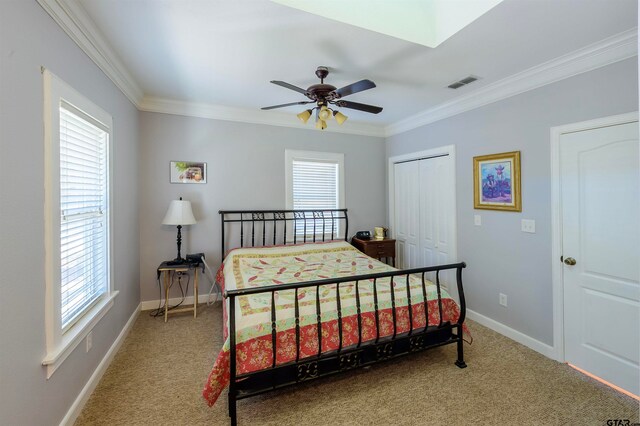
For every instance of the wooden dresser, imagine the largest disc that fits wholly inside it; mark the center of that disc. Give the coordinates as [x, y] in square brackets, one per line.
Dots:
[378, 249]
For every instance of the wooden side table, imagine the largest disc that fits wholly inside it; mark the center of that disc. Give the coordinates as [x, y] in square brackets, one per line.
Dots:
[167, 272]
[378, 249]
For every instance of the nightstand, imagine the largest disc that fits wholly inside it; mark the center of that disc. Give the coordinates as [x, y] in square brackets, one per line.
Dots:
[167, 272]
[378, 249]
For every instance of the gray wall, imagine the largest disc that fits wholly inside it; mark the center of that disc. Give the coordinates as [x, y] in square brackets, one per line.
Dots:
[501, 258]
[29, 38]
[246, 170]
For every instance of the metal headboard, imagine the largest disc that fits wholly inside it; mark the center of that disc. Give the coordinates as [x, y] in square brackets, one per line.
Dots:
[322, 223]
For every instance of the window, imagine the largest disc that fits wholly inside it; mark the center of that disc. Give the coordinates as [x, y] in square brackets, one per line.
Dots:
[315, 181]
[77, 225]
[83, 208]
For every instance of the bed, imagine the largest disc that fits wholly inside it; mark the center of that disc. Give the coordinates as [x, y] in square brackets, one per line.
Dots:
[323, 305]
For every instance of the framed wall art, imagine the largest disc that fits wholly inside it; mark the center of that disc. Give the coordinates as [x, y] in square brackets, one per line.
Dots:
[496, 182]
[188, 172]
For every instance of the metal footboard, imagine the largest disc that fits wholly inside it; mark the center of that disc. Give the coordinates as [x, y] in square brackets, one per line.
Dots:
[344, 358]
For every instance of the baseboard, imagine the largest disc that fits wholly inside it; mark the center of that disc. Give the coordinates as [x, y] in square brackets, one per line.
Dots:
[148, 305]
[84, 395]
[509, 332]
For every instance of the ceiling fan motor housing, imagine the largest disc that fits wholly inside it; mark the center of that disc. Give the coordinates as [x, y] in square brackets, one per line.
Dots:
[320, 92]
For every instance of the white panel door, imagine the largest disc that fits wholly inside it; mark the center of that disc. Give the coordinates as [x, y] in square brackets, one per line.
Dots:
[428, 212]
[444, 193]
[437, 216]
[601, 233]
[406, 204]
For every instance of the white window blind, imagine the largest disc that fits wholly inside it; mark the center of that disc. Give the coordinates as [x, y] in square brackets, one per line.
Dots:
[83, 213]
[315, 187]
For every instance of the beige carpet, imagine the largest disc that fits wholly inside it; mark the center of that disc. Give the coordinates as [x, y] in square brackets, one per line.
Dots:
[158, 375]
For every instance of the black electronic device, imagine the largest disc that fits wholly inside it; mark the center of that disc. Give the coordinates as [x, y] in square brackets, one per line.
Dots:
[363, 235]
[195, 258]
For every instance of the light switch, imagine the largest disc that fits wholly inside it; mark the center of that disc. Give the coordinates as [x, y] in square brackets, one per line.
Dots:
[529, 225]
[477, 220]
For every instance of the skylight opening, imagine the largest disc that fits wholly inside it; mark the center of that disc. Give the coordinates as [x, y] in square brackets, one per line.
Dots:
[426, 22]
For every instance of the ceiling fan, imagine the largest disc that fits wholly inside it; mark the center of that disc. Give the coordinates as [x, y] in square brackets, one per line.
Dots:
[324, 95]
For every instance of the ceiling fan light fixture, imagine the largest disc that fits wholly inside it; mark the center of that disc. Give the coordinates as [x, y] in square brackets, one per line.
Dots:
[340, 117]
[321, 124]
[305, 115]
[325, 113]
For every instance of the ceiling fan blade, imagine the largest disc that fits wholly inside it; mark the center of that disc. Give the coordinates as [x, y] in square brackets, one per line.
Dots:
[355, 88]
[360, 107]
[286, 105]
[289, 86]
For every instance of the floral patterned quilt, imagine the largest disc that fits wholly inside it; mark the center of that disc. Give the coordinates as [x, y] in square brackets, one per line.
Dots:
[268, 266]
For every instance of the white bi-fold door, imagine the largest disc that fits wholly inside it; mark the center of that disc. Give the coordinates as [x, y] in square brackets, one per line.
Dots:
[600, 203]
[407, 214]
[436, 210]
[424, 214]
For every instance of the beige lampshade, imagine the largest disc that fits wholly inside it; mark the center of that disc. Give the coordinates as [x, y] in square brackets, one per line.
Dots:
[325, 113]
[179, 213]
[340, 117]
[304, 115]
[321, 124]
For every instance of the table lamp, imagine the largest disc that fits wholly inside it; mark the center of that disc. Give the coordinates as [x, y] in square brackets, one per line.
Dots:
[179, 213]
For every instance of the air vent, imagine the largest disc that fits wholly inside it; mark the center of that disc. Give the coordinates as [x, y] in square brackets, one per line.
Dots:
[464, 81]
[468, 80]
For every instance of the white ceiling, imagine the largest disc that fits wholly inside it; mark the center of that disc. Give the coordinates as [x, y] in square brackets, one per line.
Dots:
[224, 53]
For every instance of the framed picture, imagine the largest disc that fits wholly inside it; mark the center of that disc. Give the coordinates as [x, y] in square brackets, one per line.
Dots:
[496, 182]
[188, 172]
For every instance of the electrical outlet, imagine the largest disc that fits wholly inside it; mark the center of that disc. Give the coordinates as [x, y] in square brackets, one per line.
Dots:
[477, 220]
[89, 341]
[528, 225]
[503, 299]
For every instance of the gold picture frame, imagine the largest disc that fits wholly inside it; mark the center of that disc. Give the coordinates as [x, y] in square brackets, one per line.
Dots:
[496, 182]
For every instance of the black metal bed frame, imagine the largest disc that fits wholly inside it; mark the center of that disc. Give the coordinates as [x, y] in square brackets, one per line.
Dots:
[345, 357]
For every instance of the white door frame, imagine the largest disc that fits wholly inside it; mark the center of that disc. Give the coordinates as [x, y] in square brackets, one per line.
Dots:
[449, 150]
[556, 219]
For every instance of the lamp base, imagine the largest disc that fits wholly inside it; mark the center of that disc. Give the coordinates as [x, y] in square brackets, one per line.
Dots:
[178, 260]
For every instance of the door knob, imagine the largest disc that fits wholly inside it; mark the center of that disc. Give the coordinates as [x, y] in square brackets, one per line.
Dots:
[570, 261]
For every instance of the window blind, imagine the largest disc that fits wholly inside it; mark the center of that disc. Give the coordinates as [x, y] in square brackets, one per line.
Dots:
[315, 187]
[83, 213]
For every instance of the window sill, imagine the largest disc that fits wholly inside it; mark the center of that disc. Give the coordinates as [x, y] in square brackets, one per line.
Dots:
[72, 338]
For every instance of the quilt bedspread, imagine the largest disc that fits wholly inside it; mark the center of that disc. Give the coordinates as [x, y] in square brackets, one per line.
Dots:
[268, 266]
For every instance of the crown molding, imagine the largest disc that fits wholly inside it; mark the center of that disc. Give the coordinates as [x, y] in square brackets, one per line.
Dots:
[73, 19]
[605, 52]
[245, 115]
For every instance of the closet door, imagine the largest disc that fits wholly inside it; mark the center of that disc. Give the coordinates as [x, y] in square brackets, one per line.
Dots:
[428, 211]
[407, 214]
[437, 217]
[436, 210]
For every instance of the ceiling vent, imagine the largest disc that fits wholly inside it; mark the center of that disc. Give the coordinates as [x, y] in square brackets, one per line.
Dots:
[464, 81]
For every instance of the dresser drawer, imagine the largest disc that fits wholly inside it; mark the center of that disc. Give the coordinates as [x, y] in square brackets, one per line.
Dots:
[376, 248]
[380, 249]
